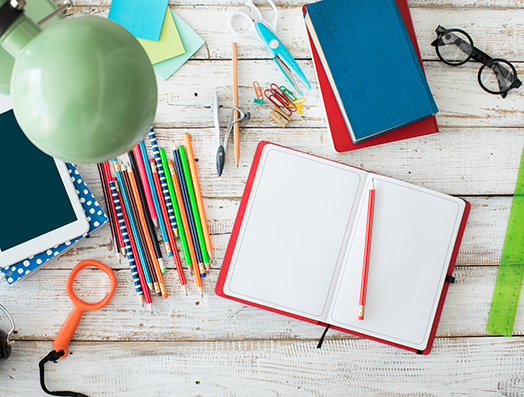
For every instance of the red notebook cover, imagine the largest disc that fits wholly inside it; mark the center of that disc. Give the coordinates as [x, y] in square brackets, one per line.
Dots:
[340, 135]
[219, 288]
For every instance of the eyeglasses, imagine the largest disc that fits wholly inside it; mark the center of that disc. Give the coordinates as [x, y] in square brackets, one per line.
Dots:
[455, 47]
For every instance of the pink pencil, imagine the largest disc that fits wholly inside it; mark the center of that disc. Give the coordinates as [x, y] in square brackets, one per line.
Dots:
[145, 183]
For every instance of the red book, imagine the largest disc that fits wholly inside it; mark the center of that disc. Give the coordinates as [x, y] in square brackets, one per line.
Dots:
[340, 135]
[297, 245]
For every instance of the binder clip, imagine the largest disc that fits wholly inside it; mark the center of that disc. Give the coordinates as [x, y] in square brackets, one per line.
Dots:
[258, 92]
[5, 341]
[280, 116]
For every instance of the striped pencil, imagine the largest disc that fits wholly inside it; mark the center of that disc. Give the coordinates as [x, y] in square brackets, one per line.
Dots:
[198, 194]
[163, 183]
[134, 251]
[189, 213]
[140, 230]
[145, 183]
[107, 176]
[149, 241]
[137, 278]
[187, 245]
[131, 219]
[154, 195]
[150, 225]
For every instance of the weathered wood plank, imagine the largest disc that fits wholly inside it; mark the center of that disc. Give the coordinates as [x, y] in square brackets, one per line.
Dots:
[457, 161]
[497, 31]
[192, 317]
[464, 366]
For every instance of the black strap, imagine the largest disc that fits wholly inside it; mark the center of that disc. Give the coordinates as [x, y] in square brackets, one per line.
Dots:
[8, 15]
[53, 356]
[321, 340]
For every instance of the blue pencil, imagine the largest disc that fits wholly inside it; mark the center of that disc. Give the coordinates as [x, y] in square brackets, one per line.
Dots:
[131, 218]
[189, 212]
[163, 183]
[156, 203]
[127, 245]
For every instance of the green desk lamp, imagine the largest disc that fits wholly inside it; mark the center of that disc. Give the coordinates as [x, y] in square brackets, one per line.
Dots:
[83, 89]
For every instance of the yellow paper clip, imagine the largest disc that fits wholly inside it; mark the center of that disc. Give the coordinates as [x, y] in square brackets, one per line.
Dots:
[258, 92]
[298, 103]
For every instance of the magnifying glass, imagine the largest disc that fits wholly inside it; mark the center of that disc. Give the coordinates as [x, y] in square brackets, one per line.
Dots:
[79, 307]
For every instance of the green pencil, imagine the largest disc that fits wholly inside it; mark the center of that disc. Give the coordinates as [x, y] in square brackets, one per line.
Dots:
[176, 209]
[192, 199]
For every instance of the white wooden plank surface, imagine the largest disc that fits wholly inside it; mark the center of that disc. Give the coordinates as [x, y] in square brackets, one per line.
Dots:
[194, 346]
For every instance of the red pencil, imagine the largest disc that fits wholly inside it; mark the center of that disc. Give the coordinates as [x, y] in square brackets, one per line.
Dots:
[365, 266]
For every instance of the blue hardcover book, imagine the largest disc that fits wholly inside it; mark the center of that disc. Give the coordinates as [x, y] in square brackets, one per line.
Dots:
[371, 65]
[94, 214]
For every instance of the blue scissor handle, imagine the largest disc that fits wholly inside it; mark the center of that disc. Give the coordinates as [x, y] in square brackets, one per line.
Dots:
[277, 49]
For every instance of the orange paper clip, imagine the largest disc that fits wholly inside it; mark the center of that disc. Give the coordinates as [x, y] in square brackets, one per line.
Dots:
[258, 92]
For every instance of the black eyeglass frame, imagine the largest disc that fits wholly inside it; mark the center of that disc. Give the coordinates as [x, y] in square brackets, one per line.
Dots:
[478, 56]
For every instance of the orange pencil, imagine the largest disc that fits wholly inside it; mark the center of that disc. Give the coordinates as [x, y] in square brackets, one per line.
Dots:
[198, 194]
[236, 126]
[185, 223]
[149, 242]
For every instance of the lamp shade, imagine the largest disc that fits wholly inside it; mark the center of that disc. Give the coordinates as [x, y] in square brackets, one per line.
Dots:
[83, 89]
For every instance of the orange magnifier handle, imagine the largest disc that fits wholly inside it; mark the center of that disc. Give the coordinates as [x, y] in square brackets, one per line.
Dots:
[79, 306]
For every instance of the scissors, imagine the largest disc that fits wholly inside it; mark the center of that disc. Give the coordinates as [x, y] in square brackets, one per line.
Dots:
[265, 31]
[222, 145]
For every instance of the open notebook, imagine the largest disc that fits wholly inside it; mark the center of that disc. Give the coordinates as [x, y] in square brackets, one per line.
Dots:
[298, 242]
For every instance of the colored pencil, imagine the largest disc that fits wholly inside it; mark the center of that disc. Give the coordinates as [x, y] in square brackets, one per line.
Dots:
[149, 222]
[154, 195]
[148, 239]
[367, 247]
[110, 212]
[189, 214]
[164, 213]
[107, 174]
[194, 207]
[163, 183]
[137, 278]
[140, 230]
[187, 245]
[183, 229]
[145, 183]
[198, 194]
[134, 251]
[132, 223]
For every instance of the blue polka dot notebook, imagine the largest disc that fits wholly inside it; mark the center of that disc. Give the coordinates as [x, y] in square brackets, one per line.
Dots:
[94, 214]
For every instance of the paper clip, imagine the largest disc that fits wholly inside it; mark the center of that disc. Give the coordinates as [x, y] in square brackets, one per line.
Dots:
[258, 92]
[279, 99]
[298, 103]
[288, 93]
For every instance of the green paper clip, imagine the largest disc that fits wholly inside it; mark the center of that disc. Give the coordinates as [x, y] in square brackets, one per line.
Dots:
[288, 93]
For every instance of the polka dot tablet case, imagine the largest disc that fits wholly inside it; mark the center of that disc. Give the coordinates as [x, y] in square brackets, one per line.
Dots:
[95, 216]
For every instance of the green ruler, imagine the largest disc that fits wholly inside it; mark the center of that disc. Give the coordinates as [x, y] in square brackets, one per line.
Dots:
[511, 267]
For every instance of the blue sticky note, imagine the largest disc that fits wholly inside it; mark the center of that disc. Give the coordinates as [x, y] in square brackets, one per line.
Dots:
[192, 42]
[142, 18]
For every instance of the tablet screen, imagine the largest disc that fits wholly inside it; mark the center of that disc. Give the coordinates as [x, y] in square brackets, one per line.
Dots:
[33, 200]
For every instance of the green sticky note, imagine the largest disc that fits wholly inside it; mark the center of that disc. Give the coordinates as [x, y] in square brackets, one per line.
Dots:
[192, 42]
[168, 46]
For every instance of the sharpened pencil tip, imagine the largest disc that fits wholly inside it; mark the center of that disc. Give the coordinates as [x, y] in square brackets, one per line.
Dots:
[155, 222]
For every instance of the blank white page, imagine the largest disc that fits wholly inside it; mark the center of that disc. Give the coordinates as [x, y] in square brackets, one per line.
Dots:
[291, 241]
[413, 236]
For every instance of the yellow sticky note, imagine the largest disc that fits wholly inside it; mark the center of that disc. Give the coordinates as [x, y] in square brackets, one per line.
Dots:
[168, 46]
